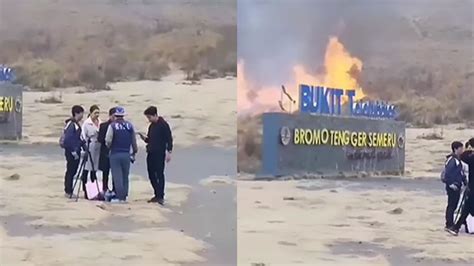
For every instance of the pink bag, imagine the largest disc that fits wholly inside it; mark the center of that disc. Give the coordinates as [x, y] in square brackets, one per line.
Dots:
[94, 190]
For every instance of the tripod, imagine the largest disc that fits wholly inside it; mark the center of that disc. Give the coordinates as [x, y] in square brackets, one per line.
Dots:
[78, 178]
[461, 206]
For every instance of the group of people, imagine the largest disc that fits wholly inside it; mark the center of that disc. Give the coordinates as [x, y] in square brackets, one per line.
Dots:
[459, 181]
[110, 147]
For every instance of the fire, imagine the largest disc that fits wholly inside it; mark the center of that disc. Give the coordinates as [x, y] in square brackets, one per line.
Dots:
[341, 71]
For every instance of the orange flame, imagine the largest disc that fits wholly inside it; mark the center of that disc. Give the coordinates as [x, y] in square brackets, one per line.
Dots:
[341, 71]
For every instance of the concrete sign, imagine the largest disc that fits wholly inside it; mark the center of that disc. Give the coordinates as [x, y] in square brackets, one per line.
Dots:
[11, 111]
[331, 145]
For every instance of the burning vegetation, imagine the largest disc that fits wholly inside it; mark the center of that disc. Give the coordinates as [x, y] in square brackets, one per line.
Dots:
[341, 70]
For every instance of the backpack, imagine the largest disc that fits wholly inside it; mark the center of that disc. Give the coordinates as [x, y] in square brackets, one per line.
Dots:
[443, 173]
[61, 138]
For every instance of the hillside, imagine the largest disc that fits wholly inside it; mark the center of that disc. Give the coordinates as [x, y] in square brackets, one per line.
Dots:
[61, 43]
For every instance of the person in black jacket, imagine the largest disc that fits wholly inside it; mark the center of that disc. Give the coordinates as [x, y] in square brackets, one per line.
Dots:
[468, 208]
[159, 147]
[454, 178]
[104, 162]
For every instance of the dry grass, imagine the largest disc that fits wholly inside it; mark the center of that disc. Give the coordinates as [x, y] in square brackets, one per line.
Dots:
[435, 135]
[52, 99]
[249, 141]
[121, 42]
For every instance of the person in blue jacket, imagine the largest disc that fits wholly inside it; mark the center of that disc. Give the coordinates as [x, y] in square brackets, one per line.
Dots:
[73, 144]
[468, 206]
[121, 140]
[454, 179]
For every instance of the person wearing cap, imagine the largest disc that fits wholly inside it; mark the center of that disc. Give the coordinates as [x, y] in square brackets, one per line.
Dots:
[121, 140]
[104, 162]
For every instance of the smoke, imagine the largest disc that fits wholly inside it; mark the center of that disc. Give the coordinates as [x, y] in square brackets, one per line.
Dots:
[276, 35]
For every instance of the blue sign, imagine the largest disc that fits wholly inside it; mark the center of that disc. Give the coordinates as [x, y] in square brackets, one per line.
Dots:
[328, 101]
[6, 73]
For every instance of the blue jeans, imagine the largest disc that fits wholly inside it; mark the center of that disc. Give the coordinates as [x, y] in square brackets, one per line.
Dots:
[120, 167]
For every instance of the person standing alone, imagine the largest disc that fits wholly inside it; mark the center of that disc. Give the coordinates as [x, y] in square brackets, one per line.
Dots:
[159, 147]
[120, 138]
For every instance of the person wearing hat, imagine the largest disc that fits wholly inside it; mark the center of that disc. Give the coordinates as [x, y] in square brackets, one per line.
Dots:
[121, 140]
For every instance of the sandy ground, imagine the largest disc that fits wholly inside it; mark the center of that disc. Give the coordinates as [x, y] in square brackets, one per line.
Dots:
[41, 227]
[37, 196]
[355, 222]
[424, 157]
[204, 113]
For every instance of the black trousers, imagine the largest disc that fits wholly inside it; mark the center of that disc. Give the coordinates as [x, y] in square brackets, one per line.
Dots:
[105, 179]
[84, 176]
[156, 168]
[453, 199]
[466, 209]
[71, 169]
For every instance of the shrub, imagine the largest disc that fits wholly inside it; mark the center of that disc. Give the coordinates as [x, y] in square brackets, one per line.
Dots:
[466, 111]
[155, 70]
[40, 74]
[249, 139]
[52, 99]
[92, 78]
[432, 136]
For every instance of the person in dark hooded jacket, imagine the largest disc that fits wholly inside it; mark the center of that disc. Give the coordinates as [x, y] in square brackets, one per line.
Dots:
[73, 145]
[454, 178]
[468, 207]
